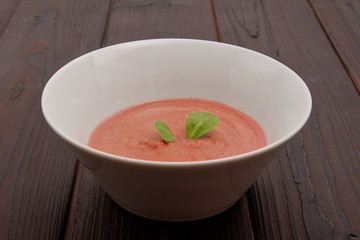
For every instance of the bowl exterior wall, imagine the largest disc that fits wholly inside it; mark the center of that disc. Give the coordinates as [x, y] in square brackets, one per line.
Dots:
[175, 193]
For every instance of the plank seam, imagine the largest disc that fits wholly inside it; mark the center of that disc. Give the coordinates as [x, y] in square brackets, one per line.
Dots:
[348, 72]
[253, 212]
[107, 23]
[71, 209]
[9, 20]
[215, 21]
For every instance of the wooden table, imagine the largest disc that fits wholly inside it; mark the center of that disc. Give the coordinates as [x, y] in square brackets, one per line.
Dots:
[310, 191]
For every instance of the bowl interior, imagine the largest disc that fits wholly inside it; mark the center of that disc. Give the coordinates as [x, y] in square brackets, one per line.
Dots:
[93, 86]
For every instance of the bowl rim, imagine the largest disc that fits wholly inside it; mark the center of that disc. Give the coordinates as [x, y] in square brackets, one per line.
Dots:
[263, 150]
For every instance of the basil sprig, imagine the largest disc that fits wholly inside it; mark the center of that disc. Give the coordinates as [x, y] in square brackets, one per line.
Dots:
[164, 130]
[197, 123]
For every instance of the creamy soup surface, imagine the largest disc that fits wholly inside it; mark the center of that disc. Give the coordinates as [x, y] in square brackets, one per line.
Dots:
[130, 132]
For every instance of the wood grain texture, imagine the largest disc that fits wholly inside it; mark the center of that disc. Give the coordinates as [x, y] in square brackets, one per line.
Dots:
[36, 169]
[312, 190]
[141, 19]
[341, 21]
[7, 9]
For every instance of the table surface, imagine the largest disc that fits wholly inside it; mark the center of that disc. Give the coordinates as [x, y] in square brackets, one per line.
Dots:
[310, 191]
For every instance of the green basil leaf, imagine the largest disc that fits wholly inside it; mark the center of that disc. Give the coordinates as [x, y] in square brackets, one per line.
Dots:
[198, 122]
[164, 130]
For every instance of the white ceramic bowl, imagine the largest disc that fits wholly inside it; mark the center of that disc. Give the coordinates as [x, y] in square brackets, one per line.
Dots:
[95, 85]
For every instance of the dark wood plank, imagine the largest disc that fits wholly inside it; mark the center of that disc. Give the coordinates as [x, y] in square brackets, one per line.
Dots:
[7, 9]
[96, 216]
[36, 169]
[133, 20]
[312, 190]
[341, 21]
